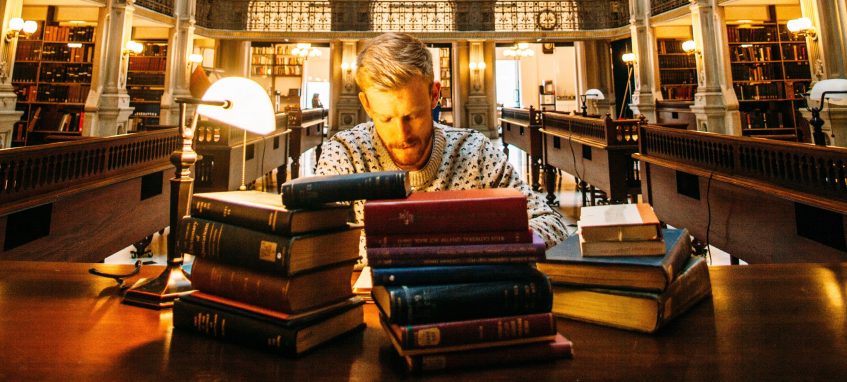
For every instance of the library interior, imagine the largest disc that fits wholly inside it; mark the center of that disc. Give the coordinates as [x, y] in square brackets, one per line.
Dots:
[695, 151]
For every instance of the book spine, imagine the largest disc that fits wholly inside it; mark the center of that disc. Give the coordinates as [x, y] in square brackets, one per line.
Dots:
[455, 302]
[687, 290]
[510, 355]
[451, 238]
[247, 286]
[461, 215]
[272, 221]
[475, 331]
[233, 245]
[534, 250]
[453, 274]
[377, 185]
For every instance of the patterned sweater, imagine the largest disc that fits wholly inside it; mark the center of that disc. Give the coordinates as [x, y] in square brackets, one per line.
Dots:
[461, 159]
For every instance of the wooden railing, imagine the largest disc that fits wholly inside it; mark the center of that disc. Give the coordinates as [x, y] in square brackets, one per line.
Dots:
[622, 132]
[806, 168]
[36, 172]
[530, 116]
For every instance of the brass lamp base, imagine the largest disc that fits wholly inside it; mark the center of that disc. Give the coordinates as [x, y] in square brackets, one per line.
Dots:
[160, 292]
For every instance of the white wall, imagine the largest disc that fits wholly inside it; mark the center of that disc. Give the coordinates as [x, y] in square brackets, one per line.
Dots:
[559, 67]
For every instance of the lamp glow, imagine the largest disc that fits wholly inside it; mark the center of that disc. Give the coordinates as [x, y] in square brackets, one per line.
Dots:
[133, 47]
[628, 58]
[16, 24]
[594, 94]
[799, 25]
[689, 47]
[74, 45]
[195, 58]
[30, 27]
[250, 110]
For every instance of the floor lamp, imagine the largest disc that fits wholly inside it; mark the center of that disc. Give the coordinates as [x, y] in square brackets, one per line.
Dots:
[629, 60]
[833, 91]
[237, 102]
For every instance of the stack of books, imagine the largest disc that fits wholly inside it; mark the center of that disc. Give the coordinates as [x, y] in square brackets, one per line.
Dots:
[454, 282]
[267, 276]
[640, 293]
[620, 230]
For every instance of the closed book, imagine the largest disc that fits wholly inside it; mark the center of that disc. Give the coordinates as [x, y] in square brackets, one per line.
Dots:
[618, 222]
[565, 264]
[311, 191]
[450, 274]
[447, 238]
[458, 254]
[622, 248]
[464, 335]
[283, 255]
[476, 210]
[283, 293]
[633, 310]
[559, 348]
[264, 212]
[265, 332]
[425, 304]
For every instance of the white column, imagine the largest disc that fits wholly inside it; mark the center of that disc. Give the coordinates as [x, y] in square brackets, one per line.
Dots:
[477, 107]
[594, 71]
[8, 115]
[178, 71]
[646, 69]
[348, 110]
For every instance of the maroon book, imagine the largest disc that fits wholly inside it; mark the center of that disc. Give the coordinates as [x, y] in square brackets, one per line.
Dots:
[459, 254]
[448, 238]
[477, 210]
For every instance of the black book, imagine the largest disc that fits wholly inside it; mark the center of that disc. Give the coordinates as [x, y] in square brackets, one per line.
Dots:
[316, 190]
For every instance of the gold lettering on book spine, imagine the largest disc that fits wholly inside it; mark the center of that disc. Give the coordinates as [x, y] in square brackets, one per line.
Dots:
[267, 251]
[428, 337]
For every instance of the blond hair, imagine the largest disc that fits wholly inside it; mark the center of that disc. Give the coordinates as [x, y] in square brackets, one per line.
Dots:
[389, 61]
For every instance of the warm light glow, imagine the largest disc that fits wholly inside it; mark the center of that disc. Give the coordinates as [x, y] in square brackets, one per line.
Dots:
[481, 65]
[16, 24]
[133, 47]
[830, 85]
[195, 58]
[345, 66]
[30, 27]
[74, 45]
[802, 24]
[519, 51]
[594, 94]
[305, 49]
[689, 46]
[249, 106]
[628, 58]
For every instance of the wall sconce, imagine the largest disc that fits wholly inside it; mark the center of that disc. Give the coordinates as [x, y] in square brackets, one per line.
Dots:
[132, 47]
[477, 70]
[802, 27]
[18, 27]
[594, 94]
[832, 91]
[194, 58]
[347, 75]
[690, 47]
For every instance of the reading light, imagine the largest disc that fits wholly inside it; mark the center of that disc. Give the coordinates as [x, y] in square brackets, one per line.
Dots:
[594, 94]
[826, 91]
[235, 101]
[133, 47]
[690, 47]
[628, 58]
[802, 27]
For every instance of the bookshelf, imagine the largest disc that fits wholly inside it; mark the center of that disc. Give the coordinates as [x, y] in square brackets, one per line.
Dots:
[52, 77]
[678, 71]
[770, 74]
[444, 61]
[278, 70]
[145, 82]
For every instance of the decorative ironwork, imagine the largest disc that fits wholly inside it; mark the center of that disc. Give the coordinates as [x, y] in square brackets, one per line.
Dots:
[165, 7]
[661, 6]
[411, 16]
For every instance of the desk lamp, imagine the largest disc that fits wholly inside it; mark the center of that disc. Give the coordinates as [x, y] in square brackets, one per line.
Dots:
[832, 90]
[595, 94]
[235, 101]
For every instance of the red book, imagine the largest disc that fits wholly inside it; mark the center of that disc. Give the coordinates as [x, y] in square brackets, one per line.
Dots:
[458, 254]
[477, 210]
[559, 348]
[448, 238]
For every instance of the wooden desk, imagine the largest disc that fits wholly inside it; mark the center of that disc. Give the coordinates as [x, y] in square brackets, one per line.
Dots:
[765, 322]
[521, 129]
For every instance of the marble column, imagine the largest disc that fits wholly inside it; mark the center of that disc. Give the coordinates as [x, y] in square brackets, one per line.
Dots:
[478, 106]
[646, 90]
[178, 73]
[715, 104]
[594, 71]
[8, 115]
[347, 111]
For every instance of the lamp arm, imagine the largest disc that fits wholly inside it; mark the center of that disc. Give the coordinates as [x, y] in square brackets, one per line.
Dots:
[198, 101]
[823, 97]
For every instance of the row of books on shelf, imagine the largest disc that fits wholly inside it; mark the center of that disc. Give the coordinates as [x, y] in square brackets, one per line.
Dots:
[277, 49]
[760, 119]
[28, 51]
[147, 63]
[797, 70]
[276, 60]
[760, 34]
[666, 46]
[145, 78]
[757, 92]
[755, 53]
[71, 121]
[672, 62]
[764, 72]
[677, 77]
[25, 72]
[62, 52]
[76, 73]
[70, 93]
[286, 70]
[65, 33]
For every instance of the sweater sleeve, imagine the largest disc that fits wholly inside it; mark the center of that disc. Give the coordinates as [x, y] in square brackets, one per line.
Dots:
[335, 159]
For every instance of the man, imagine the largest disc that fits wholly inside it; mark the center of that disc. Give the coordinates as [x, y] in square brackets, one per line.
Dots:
[395, 76]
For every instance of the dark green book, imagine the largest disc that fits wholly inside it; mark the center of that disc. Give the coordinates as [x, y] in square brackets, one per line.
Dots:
[308, 192]
[246, 327]
[454, 302]
[450, 274]
[261, 251]
[564, 264]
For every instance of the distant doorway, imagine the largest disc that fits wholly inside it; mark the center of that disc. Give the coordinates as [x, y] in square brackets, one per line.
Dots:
[508, 83]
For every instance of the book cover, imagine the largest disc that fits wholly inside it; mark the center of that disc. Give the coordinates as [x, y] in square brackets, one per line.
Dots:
[425, 304]
[618, 222]
[310, 191]
[284, 255]
[286, 294]
[476, 210]
[465, 335]
[560, 348]
[458, 254]
[633, 310]
[450, 274]
[265, 332]
[565, 264]
[447, 238]
[282, 318]
[265, 212]
[622, 248]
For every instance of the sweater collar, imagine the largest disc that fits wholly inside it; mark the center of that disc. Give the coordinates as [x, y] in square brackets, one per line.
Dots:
[418, 178]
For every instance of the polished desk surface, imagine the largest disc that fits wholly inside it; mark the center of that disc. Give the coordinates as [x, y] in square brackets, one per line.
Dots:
[765, 322]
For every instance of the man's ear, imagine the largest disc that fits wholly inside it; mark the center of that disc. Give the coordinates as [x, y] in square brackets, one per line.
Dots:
[363, 98]
[435, 94]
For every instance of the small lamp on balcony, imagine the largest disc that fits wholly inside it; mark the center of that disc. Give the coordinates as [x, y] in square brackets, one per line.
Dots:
[827, 91]
[802, 27]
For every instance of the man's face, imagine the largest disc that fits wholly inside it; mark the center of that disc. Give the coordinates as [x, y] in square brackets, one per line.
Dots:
[403, 120]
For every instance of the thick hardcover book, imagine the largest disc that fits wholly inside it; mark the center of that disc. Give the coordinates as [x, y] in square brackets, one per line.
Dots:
[559, 348]
[284, 255]
[264, 332]
[312, 191]
[264, 212]
[622, 248]
[445, 337]
[565, 264]
[458, 254]
[618, 222]
[450, 274]
[286, 294]
[454, 302]
[477, 210]
[447, 238]
[639, 311]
